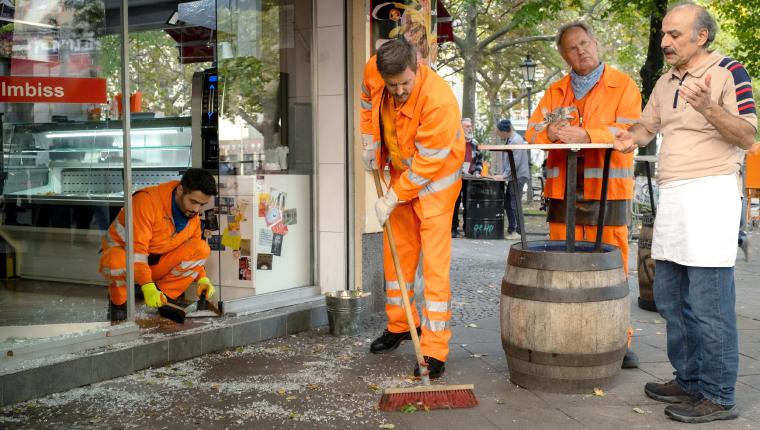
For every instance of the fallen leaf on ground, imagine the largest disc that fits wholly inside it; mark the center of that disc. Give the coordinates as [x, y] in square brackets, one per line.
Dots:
[387, 426]
[408, 408]
[479, 355]
[639, 411]
[472, 325]
[289, 398]
[373, 387]
[598, 392]
[499, 401]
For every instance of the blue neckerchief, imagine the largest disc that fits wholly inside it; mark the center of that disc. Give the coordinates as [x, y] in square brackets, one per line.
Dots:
[583, 84]
[180, 220]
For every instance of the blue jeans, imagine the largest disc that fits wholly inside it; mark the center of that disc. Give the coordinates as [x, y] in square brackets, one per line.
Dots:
[698, 305]
[511, 204]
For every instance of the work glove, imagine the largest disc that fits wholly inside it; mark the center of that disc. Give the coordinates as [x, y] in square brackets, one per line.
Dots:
[204, 284]
[153, 297]
[385, 205]
[369, 152]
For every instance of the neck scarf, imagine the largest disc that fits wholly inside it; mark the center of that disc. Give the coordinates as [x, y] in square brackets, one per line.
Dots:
[583, 84]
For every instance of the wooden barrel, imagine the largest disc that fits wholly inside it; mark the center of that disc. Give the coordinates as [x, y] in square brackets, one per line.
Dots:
[484, 208]
[646, 265]
[564, 316]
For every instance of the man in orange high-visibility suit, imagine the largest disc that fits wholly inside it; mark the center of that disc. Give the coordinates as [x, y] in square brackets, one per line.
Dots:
[416, 127]
[605, 101]
[169, 251]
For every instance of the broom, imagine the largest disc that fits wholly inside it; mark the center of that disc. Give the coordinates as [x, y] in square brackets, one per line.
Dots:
[427, 396]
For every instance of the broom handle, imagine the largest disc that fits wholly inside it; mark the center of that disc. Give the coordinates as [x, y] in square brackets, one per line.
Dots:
[402, 286]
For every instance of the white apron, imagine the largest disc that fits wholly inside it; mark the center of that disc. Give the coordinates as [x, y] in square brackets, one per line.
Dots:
[697, 222]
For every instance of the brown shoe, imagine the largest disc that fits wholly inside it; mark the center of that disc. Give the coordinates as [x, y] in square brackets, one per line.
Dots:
[702, 412]
[669, 392]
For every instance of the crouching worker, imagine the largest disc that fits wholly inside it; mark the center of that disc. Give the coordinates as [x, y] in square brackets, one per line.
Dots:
[169, 251]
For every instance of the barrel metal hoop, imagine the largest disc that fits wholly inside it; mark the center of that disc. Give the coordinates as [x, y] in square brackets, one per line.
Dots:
[645, 243]
[563, 359]
[561, 261]
[557, 385]
[566, 295]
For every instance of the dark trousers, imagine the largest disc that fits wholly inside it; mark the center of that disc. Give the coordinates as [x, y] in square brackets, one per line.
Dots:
[455, 219]
[510, 203]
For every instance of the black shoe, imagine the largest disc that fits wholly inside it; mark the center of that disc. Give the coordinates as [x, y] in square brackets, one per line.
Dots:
[703, 411]
[454, 234]
[117, 312]
[631, 360]
[388, 341]
[669, 392]
[435, 368]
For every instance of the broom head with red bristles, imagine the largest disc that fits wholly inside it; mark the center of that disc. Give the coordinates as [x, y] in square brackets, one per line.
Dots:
[429, 397]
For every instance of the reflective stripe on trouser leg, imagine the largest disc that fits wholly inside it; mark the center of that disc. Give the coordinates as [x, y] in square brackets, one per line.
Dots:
[405, 225]
[177, 269]
[113, 266]
[436, 258]
[613, 235]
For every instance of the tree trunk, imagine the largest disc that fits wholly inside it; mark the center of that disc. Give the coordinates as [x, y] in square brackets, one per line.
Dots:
[471, 64]
[652, 68]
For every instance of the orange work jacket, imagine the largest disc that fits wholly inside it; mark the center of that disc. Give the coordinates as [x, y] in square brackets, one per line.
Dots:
[154, 231]
[613, 104]
[429, 135]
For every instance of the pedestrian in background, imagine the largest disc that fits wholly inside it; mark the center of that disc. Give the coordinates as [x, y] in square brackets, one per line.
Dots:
[473, 166]
[509, 136]
[704, 109]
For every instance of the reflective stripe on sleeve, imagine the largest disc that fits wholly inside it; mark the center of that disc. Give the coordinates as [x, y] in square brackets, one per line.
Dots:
[365, 104]
[432, 153]
[191, 263]
[120, 230]
[141, 258]
[365, 90]
[416, 179]
[441, 184]
[623, 120]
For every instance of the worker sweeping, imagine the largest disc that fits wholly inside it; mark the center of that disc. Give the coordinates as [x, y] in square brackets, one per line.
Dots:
[169, 251]
[416, 127]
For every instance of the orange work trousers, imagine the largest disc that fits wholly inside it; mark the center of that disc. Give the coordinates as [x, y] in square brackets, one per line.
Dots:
[613, 235]
[173, 273]
[431, 236]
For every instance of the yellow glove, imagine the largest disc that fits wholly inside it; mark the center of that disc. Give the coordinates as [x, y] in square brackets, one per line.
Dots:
[204, 284]
[153, 297]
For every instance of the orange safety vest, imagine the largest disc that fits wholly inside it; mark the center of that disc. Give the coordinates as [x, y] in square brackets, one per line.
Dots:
[429, 135]
[154, 231]
[613, 104]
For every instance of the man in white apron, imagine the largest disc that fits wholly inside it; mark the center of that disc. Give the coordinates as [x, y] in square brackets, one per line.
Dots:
[704, 109]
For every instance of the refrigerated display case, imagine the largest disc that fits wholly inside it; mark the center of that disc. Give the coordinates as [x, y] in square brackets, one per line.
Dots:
[64, 182]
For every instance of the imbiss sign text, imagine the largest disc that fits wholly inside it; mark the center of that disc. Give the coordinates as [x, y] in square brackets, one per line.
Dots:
[30, 89]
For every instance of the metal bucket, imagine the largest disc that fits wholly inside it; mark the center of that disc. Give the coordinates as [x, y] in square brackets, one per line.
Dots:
[344, 311]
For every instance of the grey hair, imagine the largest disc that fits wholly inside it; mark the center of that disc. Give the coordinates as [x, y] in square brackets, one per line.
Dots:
[574, 24]
[467, 120]
[703, 20]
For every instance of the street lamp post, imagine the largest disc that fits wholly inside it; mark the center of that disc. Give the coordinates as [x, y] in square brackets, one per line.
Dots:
[528, 67]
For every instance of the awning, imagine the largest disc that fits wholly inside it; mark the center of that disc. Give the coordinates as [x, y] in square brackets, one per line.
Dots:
[444, 28]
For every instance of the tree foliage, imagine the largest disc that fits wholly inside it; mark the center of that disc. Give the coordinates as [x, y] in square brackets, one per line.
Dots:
[741, 19]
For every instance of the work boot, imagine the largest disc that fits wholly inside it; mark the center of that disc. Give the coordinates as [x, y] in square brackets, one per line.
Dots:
[669, 392]
[117, 312]
[631, 360]
[389, 341]
[703, 411]
[435, 368]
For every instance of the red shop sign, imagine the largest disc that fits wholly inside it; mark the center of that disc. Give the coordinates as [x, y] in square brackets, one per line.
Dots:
[31, 89]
